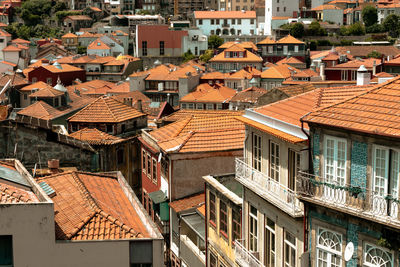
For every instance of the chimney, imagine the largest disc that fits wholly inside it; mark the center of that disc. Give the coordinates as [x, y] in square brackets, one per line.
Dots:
[374, 68]
[128, 101]
[363, 76]
[168, 97]
[322, 71]
[54, 165]
[139, 105]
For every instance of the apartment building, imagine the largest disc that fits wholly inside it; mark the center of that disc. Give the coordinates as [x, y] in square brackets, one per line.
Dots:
[226, 22]
[351, 189]
[223, 218]
[278, 8]
[274, 51]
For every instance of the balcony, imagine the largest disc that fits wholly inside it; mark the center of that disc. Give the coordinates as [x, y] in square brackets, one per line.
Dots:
[163, 226]
[356, 201]
[225, 25]
[268, 188]
[190, 253]
[244, 257]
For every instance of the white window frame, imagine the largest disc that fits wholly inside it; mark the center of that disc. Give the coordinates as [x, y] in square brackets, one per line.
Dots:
[329, 250]
[253, 237]
[292, 247]
[368, 247]
[336, 140]
[256, 151]
[270, 232]
[274, 160]
[344, 75]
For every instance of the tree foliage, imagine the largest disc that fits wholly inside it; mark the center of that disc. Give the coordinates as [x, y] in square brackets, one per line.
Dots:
[391, 25]
[354, 29]
[369, 15]
[208, 54]
[374, 54]
[297, 30]
[214, 41]
[315, 29]
[187, 56]
[18, 30]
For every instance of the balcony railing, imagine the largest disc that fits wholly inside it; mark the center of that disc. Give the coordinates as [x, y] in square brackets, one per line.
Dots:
[244, 257]
[163, 226]
[357, 201]
[275, 192]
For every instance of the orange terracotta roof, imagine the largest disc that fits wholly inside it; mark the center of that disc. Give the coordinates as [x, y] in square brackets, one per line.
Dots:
[93, 87]
[40, 110]
[119, 33]
[78, 17]
[92, 207]
[167, 73]
[102, 60]
[278, 72]
[280, 18]
[46, 92]
[290, 60]
[201, 134]
[4, 33]
[20, 41]
[95, 9]
[224, 14]
[98, 44]
[277, 133]
[77, 59]
[245, 73]
[10, 194]
[249, 56]
[105, 109]
[116, 63]
[11, 48]
[325, 7]
[35, 86]
[95, 137]
[374, 111]
[319, 54]
[267, 40]
[297, 89]
[188, 203]
[363, 51]
[9, 63]
[64, 68]
[355, 64]
[202, 210]
[17, 80]
[250, 95]
[289, 40]
[69, 35]
[245, 45]
[188, 113]
[205, 93]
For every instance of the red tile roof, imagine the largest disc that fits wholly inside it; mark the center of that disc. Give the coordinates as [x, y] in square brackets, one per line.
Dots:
[188, 203]
[374, 111]
[98, 44]
[288, 39]
[105, 109]
[47, 92]
[40, 110]
[95, 137]
[93, 207]
[210, 94]
[10, 194]
[248, 56]
[201, 133]
[250, 95]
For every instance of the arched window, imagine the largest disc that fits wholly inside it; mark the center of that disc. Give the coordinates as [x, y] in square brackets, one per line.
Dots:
[232, 31]
[377, 257]
[329, 248]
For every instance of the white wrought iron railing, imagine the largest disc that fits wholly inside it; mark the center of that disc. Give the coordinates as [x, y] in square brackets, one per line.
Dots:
[357, 200]
[244, 257]
[275, 192]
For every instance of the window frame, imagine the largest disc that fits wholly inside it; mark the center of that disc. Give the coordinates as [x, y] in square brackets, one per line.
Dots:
[154, 171]
[223, 222]
[144, 161]
[212, 198]
[274, 161]
[253, 224]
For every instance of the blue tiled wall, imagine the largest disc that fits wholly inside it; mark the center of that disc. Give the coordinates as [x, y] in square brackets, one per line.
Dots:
[359, 156]
[316, 152]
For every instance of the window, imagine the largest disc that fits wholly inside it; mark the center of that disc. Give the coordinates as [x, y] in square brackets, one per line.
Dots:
[217, 21]
[183, 106]
[74, 127]
[144, 158]
[237, 7]
[353, 74]
[233, 21]
[49, 81]
[144, 48]
[6, 250]
[109, 128]
[223, 219]
[212, 22]
[252, 21]
[236, 225]
[219, 106]
[25, 96]
[252, 32]
[212, 32]
[256, 152]
[209, 106]
[161, 48]
[329, 248]
[148, 165]
[253, 233]
[335, 160]
[199, 106]
[200, 22]
[284, 9]
[120, 156]
[239, 21]
[290, 250]
[154, 171]
[285, 49]
[296, 48]
[212, 208]
[141, 253]
[274, 163]
[270, 49]
[293, 168]
[377, 257]
[269, 243]
[277, 9]
[213, 260]
[344, 75]
[190, 106]
[165, 167]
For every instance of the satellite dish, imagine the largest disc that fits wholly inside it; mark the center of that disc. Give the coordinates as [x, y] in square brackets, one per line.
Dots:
[348, 251]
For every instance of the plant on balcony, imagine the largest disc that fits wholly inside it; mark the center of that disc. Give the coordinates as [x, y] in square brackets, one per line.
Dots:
[355, 191]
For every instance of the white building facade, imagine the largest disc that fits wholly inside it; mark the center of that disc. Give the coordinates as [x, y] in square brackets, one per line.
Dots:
[278, 8]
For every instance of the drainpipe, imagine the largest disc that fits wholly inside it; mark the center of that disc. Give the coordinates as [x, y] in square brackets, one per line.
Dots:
[206, 224]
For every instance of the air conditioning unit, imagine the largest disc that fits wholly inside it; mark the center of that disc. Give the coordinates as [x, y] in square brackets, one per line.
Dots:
[195, 37]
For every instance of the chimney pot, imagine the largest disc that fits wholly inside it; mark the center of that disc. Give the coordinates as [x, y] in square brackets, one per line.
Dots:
[53, 164]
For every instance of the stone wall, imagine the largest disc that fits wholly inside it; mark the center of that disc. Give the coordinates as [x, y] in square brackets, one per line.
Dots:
[33, 145]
